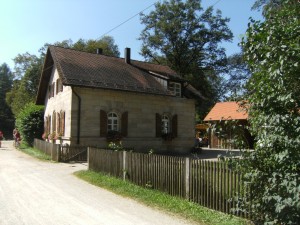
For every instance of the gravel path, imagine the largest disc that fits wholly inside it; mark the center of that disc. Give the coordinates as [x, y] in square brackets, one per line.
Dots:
[33, 192]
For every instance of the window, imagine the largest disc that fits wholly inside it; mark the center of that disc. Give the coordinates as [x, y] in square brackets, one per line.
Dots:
[165, 124]
[112, 122]
[59, 86]
[53, 122]
[51, 90]
[58, 123]
[62, 124]
[175, 88]
[47, 125]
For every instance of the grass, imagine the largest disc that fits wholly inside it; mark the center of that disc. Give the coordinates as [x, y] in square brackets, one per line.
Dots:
[34, 152]
[161, 201]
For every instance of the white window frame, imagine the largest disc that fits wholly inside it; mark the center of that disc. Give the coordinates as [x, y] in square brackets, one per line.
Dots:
[112, 121]
[165, 124]
[175, 88]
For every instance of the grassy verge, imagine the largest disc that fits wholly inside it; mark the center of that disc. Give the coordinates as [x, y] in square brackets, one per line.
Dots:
[34, 152]
[159, 200]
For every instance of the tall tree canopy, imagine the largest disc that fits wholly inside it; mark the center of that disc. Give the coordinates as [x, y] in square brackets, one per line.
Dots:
[272, 51]
[266, 5]
[25, 89]
[6, 116]
[186, 37]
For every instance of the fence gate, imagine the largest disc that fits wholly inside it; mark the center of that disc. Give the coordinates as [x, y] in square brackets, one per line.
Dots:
[73, 153]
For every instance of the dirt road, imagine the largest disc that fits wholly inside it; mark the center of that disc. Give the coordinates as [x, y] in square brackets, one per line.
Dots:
[34, 192]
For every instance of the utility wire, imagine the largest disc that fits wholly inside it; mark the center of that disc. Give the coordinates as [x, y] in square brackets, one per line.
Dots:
[135, 16]
[216, 2]
[127, 20]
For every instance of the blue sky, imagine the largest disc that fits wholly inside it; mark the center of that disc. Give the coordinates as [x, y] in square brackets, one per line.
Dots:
[26, 25]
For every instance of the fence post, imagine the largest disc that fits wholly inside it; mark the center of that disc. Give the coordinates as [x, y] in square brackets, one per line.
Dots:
[124, 165]
[58, 153]
[187, 178]
[88, 157]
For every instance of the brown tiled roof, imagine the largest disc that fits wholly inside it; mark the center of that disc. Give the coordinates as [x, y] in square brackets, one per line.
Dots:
[92, 70]
[77, 68]
[226, 111]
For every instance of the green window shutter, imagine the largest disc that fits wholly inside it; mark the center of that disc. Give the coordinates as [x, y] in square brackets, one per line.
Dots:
[158, 124]
[103, 123]
[124, 124]
[174, 126]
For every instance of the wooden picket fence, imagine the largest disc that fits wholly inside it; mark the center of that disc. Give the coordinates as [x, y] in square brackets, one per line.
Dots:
[208, 183]
[62, 153]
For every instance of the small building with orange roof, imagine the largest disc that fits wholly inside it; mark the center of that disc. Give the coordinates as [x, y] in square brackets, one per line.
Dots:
[227, 111]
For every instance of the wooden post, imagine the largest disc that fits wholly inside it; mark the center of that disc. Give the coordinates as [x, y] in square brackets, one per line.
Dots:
[124, 165]
[88, 157]
[58, 152]
[187, 177]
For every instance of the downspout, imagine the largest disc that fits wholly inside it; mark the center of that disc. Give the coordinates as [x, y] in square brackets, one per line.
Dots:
[78, 116]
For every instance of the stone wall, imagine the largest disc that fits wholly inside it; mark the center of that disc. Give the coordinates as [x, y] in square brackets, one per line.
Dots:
[141, 108]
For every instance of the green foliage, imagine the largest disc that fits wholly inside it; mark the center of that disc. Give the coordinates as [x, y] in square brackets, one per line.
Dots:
[235, 133]
[238, 74]
[185, 37]
[23, 62]
[6, 116]
[106, 43]
[115, 146]
[30, 122]
[272, 51]
[266, 5]
[24, 90]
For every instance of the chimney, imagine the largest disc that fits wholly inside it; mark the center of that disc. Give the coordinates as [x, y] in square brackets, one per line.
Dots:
[99, 51]
[127, 55]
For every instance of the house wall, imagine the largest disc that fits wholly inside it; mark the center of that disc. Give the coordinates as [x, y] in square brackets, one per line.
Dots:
[142, 109]
[61, 101]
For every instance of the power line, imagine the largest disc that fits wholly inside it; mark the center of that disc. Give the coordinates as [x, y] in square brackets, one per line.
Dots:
[127, 20]
[216, 2]
[136, 15]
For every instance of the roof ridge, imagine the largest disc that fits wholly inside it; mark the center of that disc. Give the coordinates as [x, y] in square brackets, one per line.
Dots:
[134, 60]
[71, 49]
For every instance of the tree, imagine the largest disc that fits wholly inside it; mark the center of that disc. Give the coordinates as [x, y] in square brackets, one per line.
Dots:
[238, 75]
[23, 62]
[25, 89]
[106, 43]
[187, 38]
[6, 116]
[272, 51]
[266, 5]
[30, 122]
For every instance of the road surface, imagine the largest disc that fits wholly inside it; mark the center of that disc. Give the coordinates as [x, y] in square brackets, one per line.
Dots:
[34, 192]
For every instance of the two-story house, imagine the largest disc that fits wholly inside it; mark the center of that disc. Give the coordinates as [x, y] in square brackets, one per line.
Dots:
[92, 99]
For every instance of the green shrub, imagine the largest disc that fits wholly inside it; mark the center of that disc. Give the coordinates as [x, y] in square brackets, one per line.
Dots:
[30, 122]
[272, 52]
